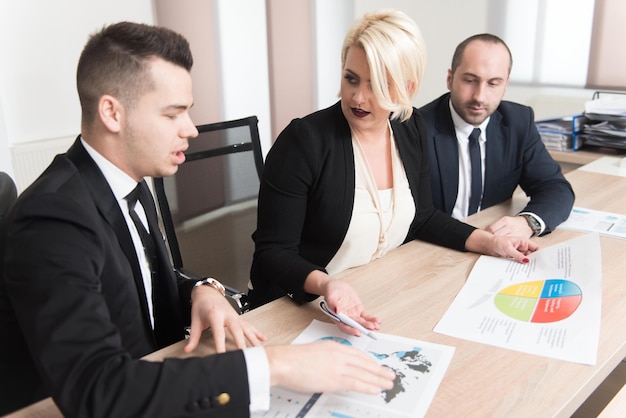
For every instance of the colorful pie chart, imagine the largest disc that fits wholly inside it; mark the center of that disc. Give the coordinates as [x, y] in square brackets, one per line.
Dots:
[540, 301]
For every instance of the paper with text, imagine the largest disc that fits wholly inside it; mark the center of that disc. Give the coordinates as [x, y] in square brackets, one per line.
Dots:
[550, 307]
[605, 223]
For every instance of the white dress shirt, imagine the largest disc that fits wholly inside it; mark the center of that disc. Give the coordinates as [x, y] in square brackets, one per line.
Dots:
[380, 218]
[463, 131]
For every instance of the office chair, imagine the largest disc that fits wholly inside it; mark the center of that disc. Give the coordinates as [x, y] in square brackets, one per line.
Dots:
[208, 208]
[8, 193]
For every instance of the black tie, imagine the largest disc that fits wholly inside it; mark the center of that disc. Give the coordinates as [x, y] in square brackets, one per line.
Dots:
[477, 176]
[146, 238]
[168, 322]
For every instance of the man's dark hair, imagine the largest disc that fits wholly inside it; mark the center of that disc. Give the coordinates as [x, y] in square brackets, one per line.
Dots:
[115, 61]
[485, 37]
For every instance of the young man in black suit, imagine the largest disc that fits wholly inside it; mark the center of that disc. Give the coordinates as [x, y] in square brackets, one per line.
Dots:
[511, 152]
[81, 301]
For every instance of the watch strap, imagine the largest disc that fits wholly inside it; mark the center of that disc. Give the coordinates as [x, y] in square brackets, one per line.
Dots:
[209, 281]
[533, 223]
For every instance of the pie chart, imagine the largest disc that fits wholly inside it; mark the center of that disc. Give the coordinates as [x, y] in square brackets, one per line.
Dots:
[540, 301]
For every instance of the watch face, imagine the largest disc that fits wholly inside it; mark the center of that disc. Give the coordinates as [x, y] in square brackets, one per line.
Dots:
[533, 223]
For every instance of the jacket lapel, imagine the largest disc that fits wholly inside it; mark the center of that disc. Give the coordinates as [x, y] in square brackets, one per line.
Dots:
[496, 147]
[446, 155]
[110, 211]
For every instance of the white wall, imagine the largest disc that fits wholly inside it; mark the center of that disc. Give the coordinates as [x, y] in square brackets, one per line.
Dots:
[331, 21]
[40, 42]
[5, 156]
[244, 63]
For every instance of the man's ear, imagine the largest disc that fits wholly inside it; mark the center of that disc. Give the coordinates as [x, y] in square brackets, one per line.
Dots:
[449, 79]
[110, 112]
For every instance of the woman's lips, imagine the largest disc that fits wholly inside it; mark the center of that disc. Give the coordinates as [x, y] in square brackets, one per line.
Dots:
[359, 113]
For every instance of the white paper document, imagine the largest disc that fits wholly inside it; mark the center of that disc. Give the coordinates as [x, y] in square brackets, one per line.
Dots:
[609, 105]
[419, 366]
[614, 166]
[588, 220]
[549, 307]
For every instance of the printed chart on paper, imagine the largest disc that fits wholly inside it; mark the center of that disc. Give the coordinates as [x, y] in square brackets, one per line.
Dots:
[419, 367]
[549, 307]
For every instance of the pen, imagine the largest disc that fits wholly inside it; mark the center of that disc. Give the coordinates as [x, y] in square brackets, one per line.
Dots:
[345, 319]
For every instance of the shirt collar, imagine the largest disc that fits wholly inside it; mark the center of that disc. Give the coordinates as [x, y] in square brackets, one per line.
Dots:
[120, 183]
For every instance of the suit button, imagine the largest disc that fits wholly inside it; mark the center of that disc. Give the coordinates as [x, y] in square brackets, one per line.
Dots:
[222, 399]
[205, 403]
[193, 407]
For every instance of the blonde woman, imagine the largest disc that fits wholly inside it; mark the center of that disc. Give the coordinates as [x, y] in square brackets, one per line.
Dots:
[344, 185]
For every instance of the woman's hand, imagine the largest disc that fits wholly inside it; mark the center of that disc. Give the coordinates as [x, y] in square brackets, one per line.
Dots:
[506, 246]
[341, 297]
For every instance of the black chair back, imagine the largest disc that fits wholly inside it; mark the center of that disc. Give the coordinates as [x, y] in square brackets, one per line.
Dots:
[208, 208]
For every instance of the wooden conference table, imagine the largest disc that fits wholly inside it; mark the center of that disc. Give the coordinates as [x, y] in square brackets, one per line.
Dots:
[411, 288]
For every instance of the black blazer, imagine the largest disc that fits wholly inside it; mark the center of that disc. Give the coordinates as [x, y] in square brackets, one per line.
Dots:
[515, 156]
[306, 199]
[73, 315]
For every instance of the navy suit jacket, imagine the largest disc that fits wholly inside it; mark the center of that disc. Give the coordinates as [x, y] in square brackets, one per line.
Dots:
[515, 156]
[73, 315]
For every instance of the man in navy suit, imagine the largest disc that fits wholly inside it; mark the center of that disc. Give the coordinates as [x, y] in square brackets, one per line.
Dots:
[510, 149]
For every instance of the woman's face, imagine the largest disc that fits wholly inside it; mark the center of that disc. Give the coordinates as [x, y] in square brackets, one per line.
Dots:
[358, 103]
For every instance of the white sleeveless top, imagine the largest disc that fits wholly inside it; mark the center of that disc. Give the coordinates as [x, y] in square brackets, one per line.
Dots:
[380, 218]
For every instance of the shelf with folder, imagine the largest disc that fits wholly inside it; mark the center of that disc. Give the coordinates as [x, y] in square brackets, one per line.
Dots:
[580, 139]
[606, 121]
[562, 133]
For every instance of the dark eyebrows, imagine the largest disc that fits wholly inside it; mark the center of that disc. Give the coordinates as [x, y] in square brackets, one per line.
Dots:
[491, 80]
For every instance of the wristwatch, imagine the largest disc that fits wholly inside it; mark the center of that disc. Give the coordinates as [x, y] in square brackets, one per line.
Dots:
[533, 223]
[209, 281]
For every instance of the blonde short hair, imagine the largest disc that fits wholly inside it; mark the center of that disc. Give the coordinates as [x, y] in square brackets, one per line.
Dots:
[396, 55]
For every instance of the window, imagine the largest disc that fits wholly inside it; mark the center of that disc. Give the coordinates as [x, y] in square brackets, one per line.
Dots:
[549, 39]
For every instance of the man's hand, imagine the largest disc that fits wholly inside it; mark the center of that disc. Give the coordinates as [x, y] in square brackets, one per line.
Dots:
[326, 366]
[511, 225]
[210, 309]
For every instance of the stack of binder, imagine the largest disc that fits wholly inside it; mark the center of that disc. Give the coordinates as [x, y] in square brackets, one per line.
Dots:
[606, 125]
[562, 133]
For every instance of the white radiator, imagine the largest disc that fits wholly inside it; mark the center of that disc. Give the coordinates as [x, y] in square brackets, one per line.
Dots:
[31, 158]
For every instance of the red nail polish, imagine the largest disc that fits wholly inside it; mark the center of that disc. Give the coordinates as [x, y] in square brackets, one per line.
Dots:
[525, 260]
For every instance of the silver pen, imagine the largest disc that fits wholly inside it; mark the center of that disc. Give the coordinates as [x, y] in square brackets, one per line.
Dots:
[345, 319]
